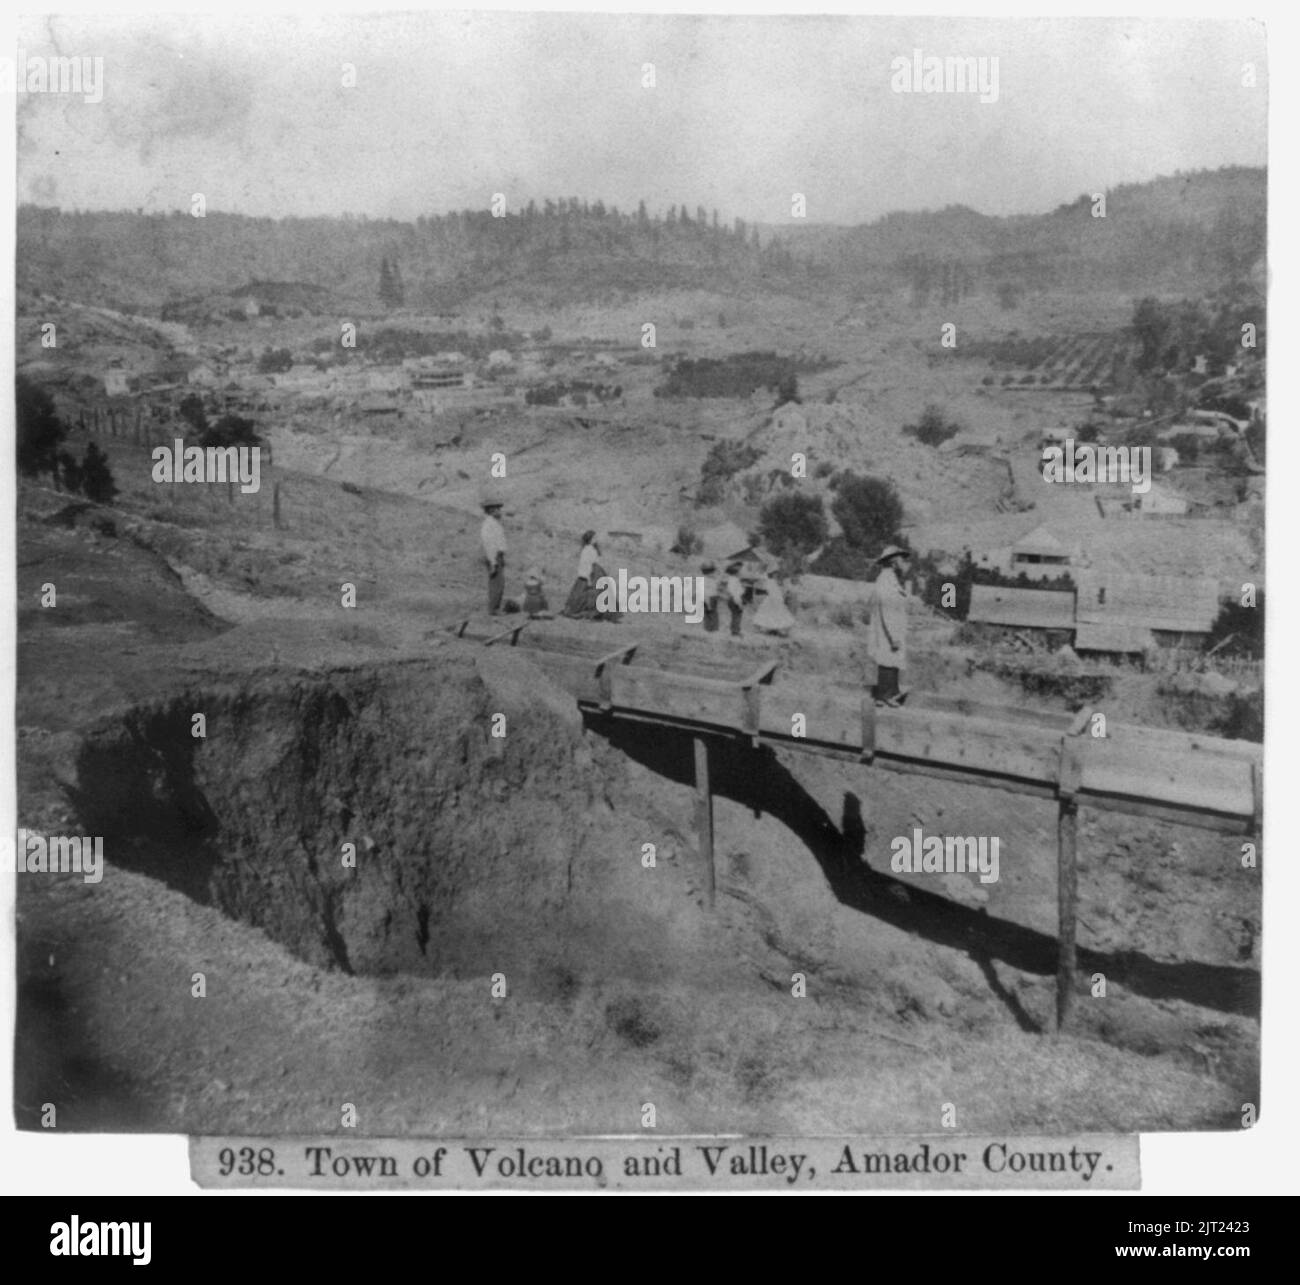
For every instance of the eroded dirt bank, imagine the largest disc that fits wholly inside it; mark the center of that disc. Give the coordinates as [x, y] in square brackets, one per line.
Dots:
[469, 852]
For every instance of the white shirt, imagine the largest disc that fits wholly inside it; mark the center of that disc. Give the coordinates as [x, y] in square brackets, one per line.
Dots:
[493, 535]
[586, 560]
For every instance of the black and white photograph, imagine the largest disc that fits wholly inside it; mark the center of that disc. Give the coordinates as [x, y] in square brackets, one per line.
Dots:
[692, 579]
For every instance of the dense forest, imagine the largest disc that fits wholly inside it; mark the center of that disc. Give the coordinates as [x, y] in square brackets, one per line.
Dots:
[1187, 234]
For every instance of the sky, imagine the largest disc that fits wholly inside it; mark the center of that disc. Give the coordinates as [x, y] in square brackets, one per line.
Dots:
[449, 109]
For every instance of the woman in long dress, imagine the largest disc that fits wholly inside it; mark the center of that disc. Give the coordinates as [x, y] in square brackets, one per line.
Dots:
[582, 597]
[773, 616]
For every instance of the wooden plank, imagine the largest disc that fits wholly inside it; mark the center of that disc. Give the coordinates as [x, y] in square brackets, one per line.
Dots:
[750, 687]
[1192, 779]
[699, 700]
[1204, 781]
[704, 818]
[762, 675]
[1067, 892]
[512, 634]
[622, 656]
[1051, 719]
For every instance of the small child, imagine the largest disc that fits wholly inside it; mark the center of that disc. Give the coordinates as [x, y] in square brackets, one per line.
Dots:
[535, 603]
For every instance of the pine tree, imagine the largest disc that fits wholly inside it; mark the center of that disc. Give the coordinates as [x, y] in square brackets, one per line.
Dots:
[96, 476]
[391, 293]
[40, 430]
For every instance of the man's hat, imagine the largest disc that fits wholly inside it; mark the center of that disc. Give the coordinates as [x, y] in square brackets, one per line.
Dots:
[733, 567]
[533, 577]
[490, 498]
[891, 551]
[708, 567]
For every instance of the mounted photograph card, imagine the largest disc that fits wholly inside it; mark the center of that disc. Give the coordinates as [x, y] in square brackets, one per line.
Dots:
[640, 602]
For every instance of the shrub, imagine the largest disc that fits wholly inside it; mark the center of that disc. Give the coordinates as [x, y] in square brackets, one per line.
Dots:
[724, 460]
[687, 542]
[274, 360]
[96, 477]
[869, 512]
[793, 522]
[934, 427]
[1243, 627]
[192, 412]
[1188, 446]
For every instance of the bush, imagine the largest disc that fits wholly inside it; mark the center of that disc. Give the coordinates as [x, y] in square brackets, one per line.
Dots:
[724, 460]
[869, 511]
[1255, 439]
[793, 522]
[69, 472]
[1244, 626]
[192, 412]
[96, 477]
[687, 542]
[1188, 446]
[274, 360]
[934, 427]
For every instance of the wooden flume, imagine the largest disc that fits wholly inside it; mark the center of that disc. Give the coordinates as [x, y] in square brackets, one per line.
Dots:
[1179, 777]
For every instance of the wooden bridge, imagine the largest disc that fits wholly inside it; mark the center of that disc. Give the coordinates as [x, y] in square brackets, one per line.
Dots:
[1177, 777]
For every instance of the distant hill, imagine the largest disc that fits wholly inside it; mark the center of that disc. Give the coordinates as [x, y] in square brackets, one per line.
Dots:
[1190, 233]
[1193, 234]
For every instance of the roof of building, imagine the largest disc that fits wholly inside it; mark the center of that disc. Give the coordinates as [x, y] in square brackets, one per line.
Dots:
[1116, 636]
[725, 539]
[1041, 542]
[1021, 608]
[1178, 604]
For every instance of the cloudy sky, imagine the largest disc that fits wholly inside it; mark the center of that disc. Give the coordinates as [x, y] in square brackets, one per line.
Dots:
[449, 109]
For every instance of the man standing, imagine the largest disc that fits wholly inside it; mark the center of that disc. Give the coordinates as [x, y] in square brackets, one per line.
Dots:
[733, 590]
[709, 596]
[493, 535]
[887, 625]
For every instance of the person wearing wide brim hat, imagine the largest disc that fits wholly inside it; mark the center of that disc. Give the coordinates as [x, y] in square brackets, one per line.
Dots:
[493, 536]
[887, 625]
